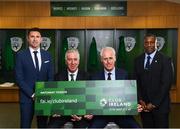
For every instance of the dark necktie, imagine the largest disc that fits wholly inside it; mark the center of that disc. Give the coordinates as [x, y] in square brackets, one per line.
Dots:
[147, 66]
[36, 60]
[109, 76]
[72, 77]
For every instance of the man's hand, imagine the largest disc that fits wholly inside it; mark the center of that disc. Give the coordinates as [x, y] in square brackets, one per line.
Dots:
[76, 118]
[56, 115]
[147, 107]
[33, 96]
[88, 117]
[140, 109]
[150, 106]
[143, 104]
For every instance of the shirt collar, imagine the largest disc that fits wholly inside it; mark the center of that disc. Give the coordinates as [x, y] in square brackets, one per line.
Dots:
[75, 73]
[32, 50]
[151, 55]
[112, 71]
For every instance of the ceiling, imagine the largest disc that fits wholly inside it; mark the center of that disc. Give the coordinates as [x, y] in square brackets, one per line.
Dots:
[174, 1]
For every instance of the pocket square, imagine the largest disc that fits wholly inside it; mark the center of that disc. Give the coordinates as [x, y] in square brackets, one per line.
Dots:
[46, 61]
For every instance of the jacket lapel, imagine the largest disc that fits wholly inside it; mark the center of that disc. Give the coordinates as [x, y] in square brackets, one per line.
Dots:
[78, 76]
[102, 75]
[30, 60]
[43, 58]
[155, 59]
[66, 76]
[142, 62]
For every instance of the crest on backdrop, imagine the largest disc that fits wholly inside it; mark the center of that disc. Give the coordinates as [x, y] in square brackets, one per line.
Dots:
[160, 43]
[45, 44]
[16, 43]
[73, 42]
[129, 43]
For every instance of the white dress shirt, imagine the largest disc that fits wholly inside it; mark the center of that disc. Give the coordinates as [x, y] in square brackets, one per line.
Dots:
[113, 76]
[151, 59]
[38, 56]
[74, 75]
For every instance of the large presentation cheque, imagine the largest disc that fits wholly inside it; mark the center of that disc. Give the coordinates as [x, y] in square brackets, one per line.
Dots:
[86, 97]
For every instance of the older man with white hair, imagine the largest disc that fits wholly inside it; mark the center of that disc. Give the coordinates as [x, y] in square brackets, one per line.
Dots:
[108, 59]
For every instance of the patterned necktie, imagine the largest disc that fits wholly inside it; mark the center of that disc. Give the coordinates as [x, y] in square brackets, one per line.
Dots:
[72, 77]
[36, 60]
[109, 76]
[147, 66]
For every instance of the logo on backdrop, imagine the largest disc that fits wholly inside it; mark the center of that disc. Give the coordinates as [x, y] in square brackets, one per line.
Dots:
[16, 43]
[73, 42]
[129, 43]
[103, 102]
[115, 103]
[160, 43]
[45, 44]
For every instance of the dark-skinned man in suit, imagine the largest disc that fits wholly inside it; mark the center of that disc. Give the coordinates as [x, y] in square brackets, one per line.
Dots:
[153, 71]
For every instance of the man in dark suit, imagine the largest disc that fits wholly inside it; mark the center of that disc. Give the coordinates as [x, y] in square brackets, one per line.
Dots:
[108, 59]
[32, 64]
[153, 72]
[72, 73]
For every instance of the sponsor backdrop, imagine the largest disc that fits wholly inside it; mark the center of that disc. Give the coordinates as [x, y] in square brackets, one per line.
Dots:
[128, 44]
[48, 42]
[71, 39]
[14, 41]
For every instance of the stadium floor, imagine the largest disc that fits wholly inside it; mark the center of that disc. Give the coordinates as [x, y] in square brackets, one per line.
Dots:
[9, 116]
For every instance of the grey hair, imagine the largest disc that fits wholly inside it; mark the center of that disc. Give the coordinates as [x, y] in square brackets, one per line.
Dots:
[72, 51]
[107, 48]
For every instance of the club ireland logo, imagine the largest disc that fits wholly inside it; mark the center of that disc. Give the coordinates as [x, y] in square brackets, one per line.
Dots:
[103, 102]
[16, 43]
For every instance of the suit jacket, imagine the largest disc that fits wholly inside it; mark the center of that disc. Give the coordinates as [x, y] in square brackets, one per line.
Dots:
[26, 75]
[120, 74]
[154, 84]
[63, 76]
[127, 121]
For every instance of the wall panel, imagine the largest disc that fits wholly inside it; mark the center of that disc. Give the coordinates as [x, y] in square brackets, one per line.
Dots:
[151, 14]
[152, 8]
[100, 22]
[24, 9]
[178, 62]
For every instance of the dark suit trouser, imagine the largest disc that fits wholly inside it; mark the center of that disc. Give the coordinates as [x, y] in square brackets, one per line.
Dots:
[121, 121]
[155, 120]
[58, 122]
[42, 121]
[26, 115]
